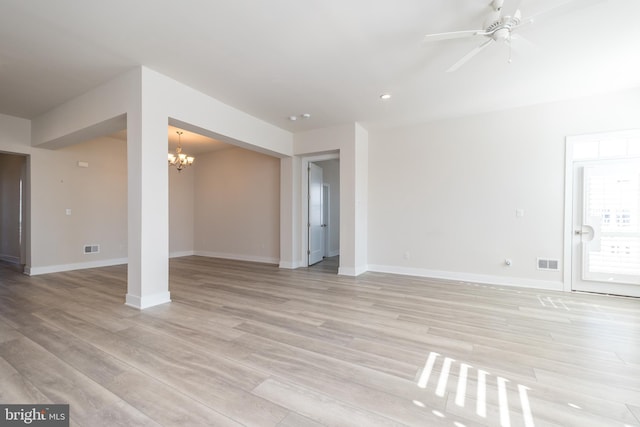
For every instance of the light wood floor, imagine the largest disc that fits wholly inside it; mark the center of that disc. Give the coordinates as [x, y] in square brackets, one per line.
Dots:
[250, 344]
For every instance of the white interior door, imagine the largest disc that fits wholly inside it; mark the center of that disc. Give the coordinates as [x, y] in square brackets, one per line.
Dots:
[316, 225]
[606, 227]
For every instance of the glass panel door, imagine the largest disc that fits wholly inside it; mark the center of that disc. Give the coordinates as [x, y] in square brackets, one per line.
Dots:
[607, 228]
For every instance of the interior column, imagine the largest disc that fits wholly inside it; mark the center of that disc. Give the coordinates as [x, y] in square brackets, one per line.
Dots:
[148, 208]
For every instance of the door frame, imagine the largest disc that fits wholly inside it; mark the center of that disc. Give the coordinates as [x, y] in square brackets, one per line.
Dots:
[570, 146]
[326, 216]
[315, 227]
[304, 205]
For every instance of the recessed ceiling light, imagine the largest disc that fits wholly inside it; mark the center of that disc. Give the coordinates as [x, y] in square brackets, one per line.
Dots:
[385, 96]
[305, 115]
[293, 118]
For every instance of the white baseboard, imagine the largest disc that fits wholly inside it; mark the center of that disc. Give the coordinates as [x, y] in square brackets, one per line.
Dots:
[470, 277]
[147, 301]
[352, 271]
[238, 257]
[334, 253]
[35, 271]
[290, 265]
[181, 254]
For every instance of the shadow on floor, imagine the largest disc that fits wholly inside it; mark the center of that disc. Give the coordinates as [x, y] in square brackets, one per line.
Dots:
[329, 265]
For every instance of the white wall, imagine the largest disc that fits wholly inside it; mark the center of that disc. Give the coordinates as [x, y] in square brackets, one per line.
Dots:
[181, 210]
[148, 100]
[351, 141]
[97, 197]
[443, 196]
[237, 205]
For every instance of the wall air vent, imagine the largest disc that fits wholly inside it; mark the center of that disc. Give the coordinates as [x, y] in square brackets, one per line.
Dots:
[91, 249]
[548, 264]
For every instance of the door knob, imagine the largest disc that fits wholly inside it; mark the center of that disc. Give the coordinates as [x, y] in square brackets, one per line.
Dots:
[586, 230]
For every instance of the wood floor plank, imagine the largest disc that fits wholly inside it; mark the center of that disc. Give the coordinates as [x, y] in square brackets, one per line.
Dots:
[81, 354]
[206, 363]
[297, 420]
[196, 381]
[163, 403]
[250, 344]
[390, 366]
[59, 382]
[16, 388]
[319, 407]
[121, 414]
[317, 371]
[635, 410]
[608, 391]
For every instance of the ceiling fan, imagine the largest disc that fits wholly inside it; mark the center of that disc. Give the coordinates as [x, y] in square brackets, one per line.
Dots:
[499, 26]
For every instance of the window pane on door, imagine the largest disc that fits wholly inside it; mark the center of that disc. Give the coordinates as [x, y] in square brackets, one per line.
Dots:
[612, 207]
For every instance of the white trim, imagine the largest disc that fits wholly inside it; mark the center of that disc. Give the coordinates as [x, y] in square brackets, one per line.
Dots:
[35, 271]
[290, 265]
[304, 208]
[147, 301]
[334, 253]
[326, 221]
[469, 277]
[568, 214]
[352, 272]
[569, 166]
[238, 257]
[181, 254]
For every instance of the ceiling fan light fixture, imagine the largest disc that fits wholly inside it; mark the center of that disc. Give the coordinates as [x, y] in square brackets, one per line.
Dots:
[501, 34]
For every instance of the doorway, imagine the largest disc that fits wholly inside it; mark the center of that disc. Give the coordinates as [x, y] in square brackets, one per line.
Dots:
[13, 190]
[605, 214]
[316, 224]
[321, 209]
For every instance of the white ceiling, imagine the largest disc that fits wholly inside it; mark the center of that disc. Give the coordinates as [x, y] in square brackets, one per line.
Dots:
[329, 58]
[192, 143]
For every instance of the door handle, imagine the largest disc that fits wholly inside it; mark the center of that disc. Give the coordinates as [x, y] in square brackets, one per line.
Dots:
[585, 230]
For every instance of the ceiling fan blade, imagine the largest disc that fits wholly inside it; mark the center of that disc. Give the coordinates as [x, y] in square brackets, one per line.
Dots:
[469, 55]
[452, 35]
[511, 8]
[519, 40]
[521, 46]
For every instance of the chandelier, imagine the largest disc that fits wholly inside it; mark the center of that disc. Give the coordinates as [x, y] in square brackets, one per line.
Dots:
[179, 159]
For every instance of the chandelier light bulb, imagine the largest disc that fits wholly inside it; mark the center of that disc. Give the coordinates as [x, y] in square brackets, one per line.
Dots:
[180, 159]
